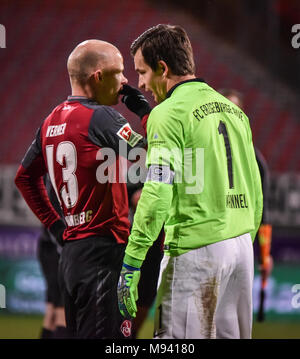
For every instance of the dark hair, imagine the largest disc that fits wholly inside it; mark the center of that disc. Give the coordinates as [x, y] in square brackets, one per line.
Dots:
[169, 43]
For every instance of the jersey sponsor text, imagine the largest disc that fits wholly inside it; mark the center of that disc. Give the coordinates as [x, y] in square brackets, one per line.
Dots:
[216, 107]
[80, 218]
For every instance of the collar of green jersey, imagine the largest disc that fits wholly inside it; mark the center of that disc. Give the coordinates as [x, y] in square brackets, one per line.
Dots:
[169, 93]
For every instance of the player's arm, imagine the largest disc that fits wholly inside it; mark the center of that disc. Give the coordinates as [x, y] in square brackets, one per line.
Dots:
[165, 136]
[265, 229]
[29, 181]
[257, 187]
[151, 213]
[265, 181]
[154, 204]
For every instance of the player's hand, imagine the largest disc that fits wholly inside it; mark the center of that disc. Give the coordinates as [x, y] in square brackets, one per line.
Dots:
[135, 101]
[127, 290]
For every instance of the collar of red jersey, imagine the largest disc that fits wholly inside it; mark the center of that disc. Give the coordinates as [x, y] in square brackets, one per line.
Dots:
[77, 98]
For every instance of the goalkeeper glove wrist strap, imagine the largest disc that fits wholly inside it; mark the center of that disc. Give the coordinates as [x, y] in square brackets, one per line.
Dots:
[132, 262]
[130, 267]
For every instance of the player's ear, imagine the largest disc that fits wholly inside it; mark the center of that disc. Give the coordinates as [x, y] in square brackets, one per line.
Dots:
[98, 76]
[163, 68]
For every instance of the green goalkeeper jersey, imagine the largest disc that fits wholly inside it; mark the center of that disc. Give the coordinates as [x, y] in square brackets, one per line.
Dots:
[203, 181]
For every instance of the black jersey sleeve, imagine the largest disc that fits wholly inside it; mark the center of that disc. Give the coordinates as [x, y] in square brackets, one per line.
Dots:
[34, 150]
[265, 181]
[108, 128]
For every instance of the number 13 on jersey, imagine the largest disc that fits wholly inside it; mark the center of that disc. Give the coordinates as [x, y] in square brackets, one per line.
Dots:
[65, 154]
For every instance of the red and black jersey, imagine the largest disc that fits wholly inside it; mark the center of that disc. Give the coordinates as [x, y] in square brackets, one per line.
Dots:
[80, 145]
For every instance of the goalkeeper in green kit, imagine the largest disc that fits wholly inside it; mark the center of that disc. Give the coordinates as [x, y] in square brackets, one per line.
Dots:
[203, 185]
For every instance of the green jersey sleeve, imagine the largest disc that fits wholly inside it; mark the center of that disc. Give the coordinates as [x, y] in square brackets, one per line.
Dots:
[163, 161]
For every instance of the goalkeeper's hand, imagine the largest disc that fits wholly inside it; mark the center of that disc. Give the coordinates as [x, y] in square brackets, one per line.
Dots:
[127, 290]
[135, 101]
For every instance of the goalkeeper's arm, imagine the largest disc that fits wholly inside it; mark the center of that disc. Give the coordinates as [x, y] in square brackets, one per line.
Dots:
[151, 213]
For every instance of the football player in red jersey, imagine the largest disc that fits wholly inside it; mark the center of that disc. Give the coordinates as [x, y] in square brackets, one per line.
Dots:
[71, 144]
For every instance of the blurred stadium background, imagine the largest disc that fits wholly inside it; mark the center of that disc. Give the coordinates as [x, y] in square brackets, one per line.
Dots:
[241, 44]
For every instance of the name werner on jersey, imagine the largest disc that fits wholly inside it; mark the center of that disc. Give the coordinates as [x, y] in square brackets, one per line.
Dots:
[57, 130]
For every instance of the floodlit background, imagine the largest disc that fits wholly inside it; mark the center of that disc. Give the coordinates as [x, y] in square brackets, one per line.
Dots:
[252, 46]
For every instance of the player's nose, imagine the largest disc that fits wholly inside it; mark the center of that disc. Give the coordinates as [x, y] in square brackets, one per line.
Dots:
[124, 80]
[141, 84]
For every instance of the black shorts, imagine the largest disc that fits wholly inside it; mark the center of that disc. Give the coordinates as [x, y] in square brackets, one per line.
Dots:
[91, 269]
[49, 259]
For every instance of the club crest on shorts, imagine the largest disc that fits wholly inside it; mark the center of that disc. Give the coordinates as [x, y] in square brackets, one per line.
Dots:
[128, 135]
[126, 328]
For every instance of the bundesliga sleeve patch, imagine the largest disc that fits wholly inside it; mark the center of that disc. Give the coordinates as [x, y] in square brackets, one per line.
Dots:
[128, 135]
[162, 174]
